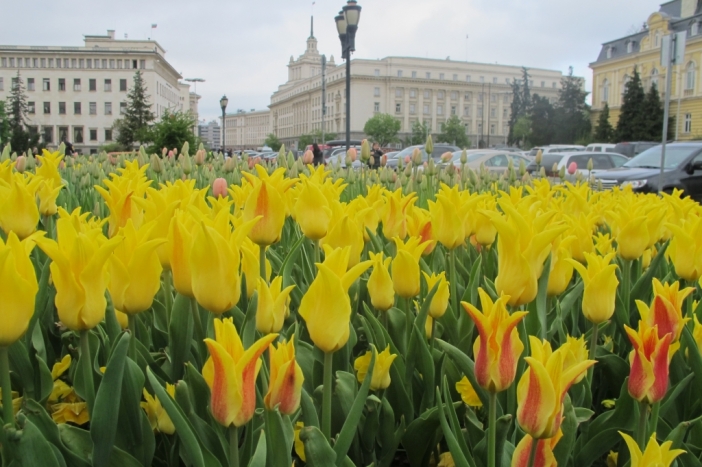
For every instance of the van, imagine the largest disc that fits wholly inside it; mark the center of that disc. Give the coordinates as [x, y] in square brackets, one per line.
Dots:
[599, 147]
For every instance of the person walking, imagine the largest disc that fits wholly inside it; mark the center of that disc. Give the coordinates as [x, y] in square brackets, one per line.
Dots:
[318, 158]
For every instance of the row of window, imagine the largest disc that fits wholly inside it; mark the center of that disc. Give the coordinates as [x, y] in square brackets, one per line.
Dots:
[689, 85]
[61, 84]
[64, 134]
[442, 76]
[78, 63]
[467, 112]
[77, 108]
[440, 95]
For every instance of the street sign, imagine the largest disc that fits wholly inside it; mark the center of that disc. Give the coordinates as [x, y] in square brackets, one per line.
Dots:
[678, 53]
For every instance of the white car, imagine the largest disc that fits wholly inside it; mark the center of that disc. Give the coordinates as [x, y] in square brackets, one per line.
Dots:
[600, 161]
[600, 147]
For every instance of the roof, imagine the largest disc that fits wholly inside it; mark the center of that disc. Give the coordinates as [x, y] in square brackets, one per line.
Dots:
[672, 8]
[619, 46]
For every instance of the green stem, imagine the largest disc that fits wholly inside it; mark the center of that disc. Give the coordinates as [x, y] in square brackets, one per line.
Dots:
[385, 320]
[641, 429]
[8, 415]
[233, 446]
[626, 286]
[317, 253]
[262, 262]
[655, 410]
[532, 452]
[433, 330]
[86, 360]
[454, 283]
[168, 291]
[593, 347]
[131, 320]
[199, 331]
[492, 429]
[327, 395]
[408, 322]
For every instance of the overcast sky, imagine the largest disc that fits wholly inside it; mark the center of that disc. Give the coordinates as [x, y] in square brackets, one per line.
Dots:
[241, 47]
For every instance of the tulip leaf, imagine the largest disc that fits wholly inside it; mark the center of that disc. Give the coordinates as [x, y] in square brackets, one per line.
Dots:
[426, 370]
[198, 390]
[279, 446]
[456, 449]
[694, 358]
[318, 453]
[467, 366]
[375, 241]
[180, 335]
[259, 456]
[103, 426]
[389, 438]
[541, 298]
[78, 441]
[22, 366]
[569, 427]
[112, 326]
[183, 428]
[348, 430]
[33, 448]
[642, 287]
[309, 411]
[421, 436]
[475, 273]
[454, 424]
[568, 301]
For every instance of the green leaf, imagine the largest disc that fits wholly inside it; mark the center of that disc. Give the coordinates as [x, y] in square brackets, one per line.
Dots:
[642, 288]
[103, 428]
[279, 446]
[541, 298]
[317, 450]
[456, 449]
[455, 425]
[568, 301]
[694, 358]
[569, 427]
[180, 335]
[467, 366]
[418, 439]
[33, 449]
[79, 442]
[259, 457]
[309, 411]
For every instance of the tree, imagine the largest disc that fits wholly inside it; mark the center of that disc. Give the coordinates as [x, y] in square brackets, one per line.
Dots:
[522, 130]
[604, 132]
[17, 109]
[420, 130]
[572, 112]
[304, 141]
[653, 116]
[515, 112]
[134, 126]
[382, 128]
[273, 142]
[630, 126]
[172, 131]
[454, 131]
[542, 121]
[4, 126]
[526, 95]
[317, 136]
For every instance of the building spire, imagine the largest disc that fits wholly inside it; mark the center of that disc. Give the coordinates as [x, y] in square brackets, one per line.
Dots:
[312, 26]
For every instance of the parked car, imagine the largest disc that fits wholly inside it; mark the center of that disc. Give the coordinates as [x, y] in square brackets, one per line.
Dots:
[439, 149]
[682, 170]
[495, 160]
[600, 161]
[634, 148]
[556, 148]
[600, 147]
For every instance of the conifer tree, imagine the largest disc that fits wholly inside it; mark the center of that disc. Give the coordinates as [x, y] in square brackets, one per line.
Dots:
[17, 109]
[631, 125]
[138, 117]
[572, 118]
[604, 132]
[652, 116]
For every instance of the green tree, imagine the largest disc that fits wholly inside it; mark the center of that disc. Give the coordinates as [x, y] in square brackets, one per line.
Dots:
[304, 141]
[4, 125]
[515, 112]
[542, 121]
[419, 133]
[454, 131]
[526, 94]
[138, 117]
[382, 128]
[273, 142]
[21, 139]
[653, 116]
[522, 131]
[631, 126]
[572, 117]
[172, 131]
[604, 132]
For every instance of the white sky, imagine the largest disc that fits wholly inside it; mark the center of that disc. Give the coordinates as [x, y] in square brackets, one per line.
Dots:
[241, 47]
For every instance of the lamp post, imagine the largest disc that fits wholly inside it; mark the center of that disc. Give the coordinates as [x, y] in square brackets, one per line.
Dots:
[223, 103]
[347, 25]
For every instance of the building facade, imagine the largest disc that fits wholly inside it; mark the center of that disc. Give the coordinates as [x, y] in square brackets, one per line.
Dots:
[247, 130]
[76, 93]
[617, 60]
[210, 134]
[411, 89]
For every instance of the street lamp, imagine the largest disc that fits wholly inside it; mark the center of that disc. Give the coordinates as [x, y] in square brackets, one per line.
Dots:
[223, 103]
[346, 26]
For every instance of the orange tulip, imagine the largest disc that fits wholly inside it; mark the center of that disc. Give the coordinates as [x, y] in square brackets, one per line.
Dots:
[666, 309]
[286, 379]
[544, 452]
[648, 377]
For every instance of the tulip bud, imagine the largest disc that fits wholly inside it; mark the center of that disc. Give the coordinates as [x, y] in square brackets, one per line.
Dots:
[21, 164]
[219, 188]
[185, 162]
[156, 164]
[542, 172]
[200, 157]
[447, 156]
[365, 151]
[171, 154]
[164, 151]
[589, 164]
[429, 146]
[308, 157]
[572, 168]
[417, 156]
[352, 154]
[384, 160]
[561, 173]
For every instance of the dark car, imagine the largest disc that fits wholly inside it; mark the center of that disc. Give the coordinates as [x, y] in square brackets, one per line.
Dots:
[682, 170]
[439, 149]
[631, 149]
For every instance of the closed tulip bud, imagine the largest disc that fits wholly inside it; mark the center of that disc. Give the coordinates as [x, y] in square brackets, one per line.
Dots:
[561, 270]
[171, 154]
[21, 164]
[405, 266]
[185, 163]
[440, 301]
[539, 156]
[164, 151]
[429, 145]
[18, 288]
[18, 209]
[157, 415]
[380, 379]
[589, 164]
[543, 387]
[600, 292]
[156, 164]
[447, 156]
[572, 168]
[365, 151]
[498, 347]
[229, 165]
[686, 247]
[416, 157]
[286, 379]
[219, 188]
[231, 374]
[654, 454]
[200, 156]
[561, 172]
[649, 360]
[383, 160]
[468, 394]
[272, 306]
[544, 452]
[264, 201]
[179, 245]
[352, 154]
[307, 157]
[380, 287]
[665, 312]
[312, 212]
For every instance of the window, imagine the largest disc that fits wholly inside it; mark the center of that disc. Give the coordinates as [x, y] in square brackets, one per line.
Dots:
[51, 63]
[3, 62]
[554, 84]
[74, 64]
[609, 52]
[440, 95]
[428, 74]
[89, 62]
[376, 107]
[119, 64]
[47, 108]
[63, 133]
[134, 64]
[468, 96]
[104, 63]
[629, 47]
[605, 90]
[58, 63]
[505, 99]
[15, 83]
[92, 108]
[46, 84]
[30, 84]
[413, 109]
[108, 108]
[76, 108]
[76, 84]
[468, 78]
[12, 62]
[399, 73]
[123, 85]
[108, 134]
[480, 97]
[108, 85]
[504, 114]
[492, 128]
[506, 80]
[65, 63]
[494, 80]
[439, 109]
[453, 110]
[112, 63]
[62, 108]
[454, 95]
[480, 112]
[414, 74]
[93, 134]
[426, 109]
[427, 94]
[122, 108]
[688, 123]
[81, 63]
[466, 111]
[657, 40]
[624, 83]
[654, 77]
[441, 76]
[398, 92]
[455, 77]
[48, 134]
[493, 97]
[690, 77]
[142, 64]
[31, 107]
[482, 79]
[376, 92]
[62, 84]
[398, 108]
[493, 112]
[543, 84]
[413, 93]
[377, 72]
[78, 134]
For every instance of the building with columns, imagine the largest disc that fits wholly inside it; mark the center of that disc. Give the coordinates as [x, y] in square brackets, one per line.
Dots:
[641, 51]
[247, 130]
[76, 93]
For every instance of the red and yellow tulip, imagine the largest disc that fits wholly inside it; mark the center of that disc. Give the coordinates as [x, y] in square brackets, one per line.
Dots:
[286, 379]
[649, 360]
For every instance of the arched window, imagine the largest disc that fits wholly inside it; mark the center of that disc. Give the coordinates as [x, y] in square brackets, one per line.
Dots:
[658, 39]
[605, 91]
[695, 28]
[654, 78]
[629, 47]
[624, 81]
[609, 52]
[690, 73]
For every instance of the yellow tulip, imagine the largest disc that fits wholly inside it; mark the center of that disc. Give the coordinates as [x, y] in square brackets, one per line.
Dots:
[603, 244]
[159, 209]
[448, 216]
[231, 373]
[266, 201]
[346, 233]
[380, 286]
[658, 455]
[600, 282]
[135, 271]
[405, 266]
[581, 228]
[485, 231]
[18, 209]
[574, 352]
[440, 301]
[394, 214]
[286, 379]
[685, 249]
[381, 369]
[468, 394]
[158, 418]
[630, 229]
[75, 412]
[666, 309]
[79, 272]
[48, 166]
[299, 445]
[544, 452]
[180, 245]
[312, 212]
[18, 288]
[650, 362]
[419, 225]
[47, 193]
[326, 306]
[561, 270]
[272, 306]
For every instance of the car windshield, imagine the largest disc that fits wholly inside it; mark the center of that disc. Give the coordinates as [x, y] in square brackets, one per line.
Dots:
[651, 158]
[469, 157]
[408, 152]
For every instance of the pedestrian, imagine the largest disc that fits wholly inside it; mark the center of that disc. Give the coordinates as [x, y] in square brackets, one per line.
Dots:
[318, 155]
[377, 153]
[69, 148]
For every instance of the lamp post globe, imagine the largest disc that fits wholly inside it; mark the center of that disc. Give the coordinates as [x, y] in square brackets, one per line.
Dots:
[223, 104]
[347, 25]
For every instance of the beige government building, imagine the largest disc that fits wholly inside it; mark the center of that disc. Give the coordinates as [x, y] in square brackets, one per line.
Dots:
[76, 93]
[411, 89]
